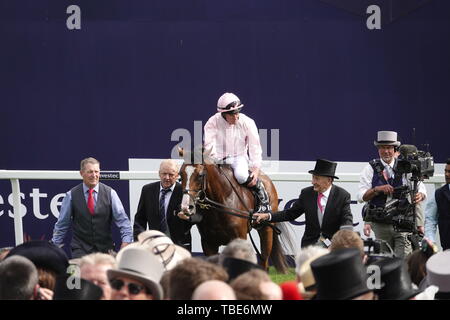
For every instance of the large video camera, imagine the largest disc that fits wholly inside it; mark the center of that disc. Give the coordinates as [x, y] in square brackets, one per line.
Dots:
[400, 210]
[419, 163]
[376, 249]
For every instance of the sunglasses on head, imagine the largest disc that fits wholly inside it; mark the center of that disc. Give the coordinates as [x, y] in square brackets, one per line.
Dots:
[133, 288]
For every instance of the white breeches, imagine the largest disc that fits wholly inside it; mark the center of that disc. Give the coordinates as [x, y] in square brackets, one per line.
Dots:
[239, 164]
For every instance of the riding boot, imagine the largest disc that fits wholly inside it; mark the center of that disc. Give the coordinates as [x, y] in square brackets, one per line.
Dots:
[261, 194]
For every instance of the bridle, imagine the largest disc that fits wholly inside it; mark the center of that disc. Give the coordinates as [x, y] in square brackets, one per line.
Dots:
[202, 201]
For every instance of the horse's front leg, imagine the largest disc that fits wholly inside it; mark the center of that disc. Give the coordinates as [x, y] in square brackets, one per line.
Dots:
[266, 244]
[209, 249]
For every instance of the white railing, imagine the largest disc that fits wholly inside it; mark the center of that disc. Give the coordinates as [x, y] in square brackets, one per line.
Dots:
[16, 175]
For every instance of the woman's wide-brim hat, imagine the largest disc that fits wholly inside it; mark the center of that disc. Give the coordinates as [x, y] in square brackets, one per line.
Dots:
[386, 138]
[324, 168]
[44, 255]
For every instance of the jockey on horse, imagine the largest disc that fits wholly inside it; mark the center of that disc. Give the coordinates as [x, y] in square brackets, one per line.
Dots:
[232, 138]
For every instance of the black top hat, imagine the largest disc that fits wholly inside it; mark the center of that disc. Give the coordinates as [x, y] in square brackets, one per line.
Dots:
[44, 255]
[340, 275]
[236, 267]
[395, 280]
[325, 168]
[76, 289]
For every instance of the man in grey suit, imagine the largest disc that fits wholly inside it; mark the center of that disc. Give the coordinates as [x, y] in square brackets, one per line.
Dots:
[326, 206]
[90, 207]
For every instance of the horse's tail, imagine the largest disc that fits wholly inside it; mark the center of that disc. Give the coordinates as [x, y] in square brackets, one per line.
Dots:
[280, 249]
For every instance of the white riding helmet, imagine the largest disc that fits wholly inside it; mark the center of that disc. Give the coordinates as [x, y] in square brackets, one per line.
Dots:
[228, 102]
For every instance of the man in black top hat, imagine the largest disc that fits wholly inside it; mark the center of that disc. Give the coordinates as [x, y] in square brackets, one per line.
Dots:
[395, 282]
[326, 206]
[341, 275]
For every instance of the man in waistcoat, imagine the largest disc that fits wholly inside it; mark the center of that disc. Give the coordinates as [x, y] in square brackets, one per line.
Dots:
[90, 208]
[437, 212]
[377, 182]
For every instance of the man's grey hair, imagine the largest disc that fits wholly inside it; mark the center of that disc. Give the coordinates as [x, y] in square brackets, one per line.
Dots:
[239, 249]
[98, 258]
[171, 163]
[84, 162]
[18, 278]
[307, 253]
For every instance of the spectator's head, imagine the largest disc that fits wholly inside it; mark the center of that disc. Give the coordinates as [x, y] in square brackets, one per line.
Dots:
[187, 276]
[447, 171]
[70, 287]
[394, 282]
[239, 249]
[438, 274]
[348, 239]
[323, 174]
[341, 275]
[306, 254]
[387, 144]
[236, 267]
[163, 248]
[168, 172]
[416, 262]
[214, 290]
[49, 259]
[136, 277]
[94, 266]
[307, 282]
[90, 172]
[255, 285]
[18, 279]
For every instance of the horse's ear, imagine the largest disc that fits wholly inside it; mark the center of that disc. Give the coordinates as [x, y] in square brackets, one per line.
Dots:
[180, 151]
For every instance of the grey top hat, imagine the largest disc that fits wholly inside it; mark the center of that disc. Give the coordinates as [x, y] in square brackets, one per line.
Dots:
[140, 265]
[438, 271]
[387, 138]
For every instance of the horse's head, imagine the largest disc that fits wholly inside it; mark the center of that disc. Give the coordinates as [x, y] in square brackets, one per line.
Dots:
[193, 177]
[193, 183]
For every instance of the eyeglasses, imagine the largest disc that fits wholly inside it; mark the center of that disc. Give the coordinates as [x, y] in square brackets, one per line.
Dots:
[133, 288]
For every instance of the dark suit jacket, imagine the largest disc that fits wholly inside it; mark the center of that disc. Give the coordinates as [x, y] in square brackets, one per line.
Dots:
[337, 214]
[148, 214]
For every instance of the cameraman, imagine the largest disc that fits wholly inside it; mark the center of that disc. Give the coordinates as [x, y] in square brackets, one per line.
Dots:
[377, 182]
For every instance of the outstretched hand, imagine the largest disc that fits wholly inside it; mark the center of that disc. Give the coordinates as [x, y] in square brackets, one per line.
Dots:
[184, 215]
[260, 217]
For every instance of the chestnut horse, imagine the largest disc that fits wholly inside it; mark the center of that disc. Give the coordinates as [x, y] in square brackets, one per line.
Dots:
[212, 191]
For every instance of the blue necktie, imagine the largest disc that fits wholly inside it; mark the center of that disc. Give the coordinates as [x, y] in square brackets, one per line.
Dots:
[162, 210]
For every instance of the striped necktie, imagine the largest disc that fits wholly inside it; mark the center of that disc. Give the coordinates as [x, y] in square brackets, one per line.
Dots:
[162, 210]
